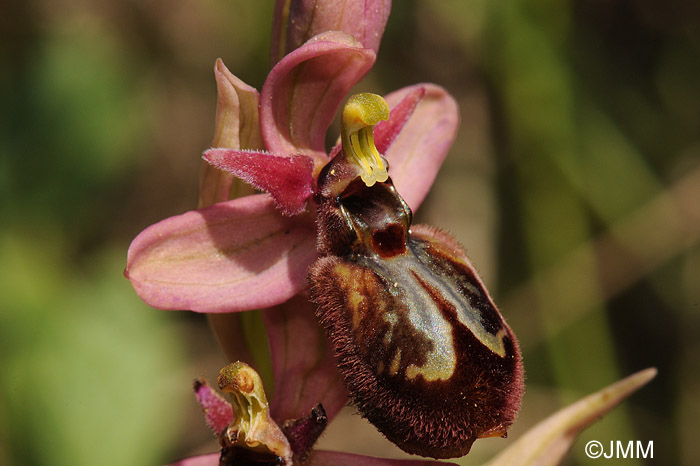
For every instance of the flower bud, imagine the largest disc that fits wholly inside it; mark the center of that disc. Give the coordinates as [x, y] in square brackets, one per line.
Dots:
[252, 437]
[296, 21]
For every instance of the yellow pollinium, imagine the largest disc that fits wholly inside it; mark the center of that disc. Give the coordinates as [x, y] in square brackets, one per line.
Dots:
[360, 114]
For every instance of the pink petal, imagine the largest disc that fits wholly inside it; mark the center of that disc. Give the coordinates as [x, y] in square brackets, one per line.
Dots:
[217, 411]
[202, 460]
[304, 90]
[237, 127]
[289, 180]
[299, 20]
[385, 132]
[302, 363]
[232, 256]
[417, 152]
[333, 458]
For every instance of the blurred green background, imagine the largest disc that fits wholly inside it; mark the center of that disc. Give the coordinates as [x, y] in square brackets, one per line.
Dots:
[574, 185]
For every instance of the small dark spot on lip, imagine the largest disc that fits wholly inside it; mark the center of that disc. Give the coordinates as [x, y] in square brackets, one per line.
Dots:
[286, 232]
[389, 241]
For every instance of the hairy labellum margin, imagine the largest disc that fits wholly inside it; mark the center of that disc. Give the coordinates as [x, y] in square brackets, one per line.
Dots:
[424, 352]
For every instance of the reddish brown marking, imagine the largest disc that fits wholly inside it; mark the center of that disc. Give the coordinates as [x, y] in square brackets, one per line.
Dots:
[369, 335]
[390, 241]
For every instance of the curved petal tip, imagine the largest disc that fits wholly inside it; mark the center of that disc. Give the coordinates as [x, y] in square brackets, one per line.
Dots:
[304, 90]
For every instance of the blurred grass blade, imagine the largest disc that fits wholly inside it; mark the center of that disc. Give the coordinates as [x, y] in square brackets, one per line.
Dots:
[547, 442]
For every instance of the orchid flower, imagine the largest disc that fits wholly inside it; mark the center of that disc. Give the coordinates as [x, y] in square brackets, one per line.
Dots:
[248, 252]
[254, 252]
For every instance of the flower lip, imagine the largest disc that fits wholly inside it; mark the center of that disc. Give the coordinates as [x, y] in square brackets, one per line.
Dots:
[411, 325]
[360, 114]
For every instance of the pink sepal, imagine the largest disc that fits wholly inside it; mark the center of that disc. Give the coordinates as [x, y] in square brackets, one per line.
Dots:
[302, 362]
[232, 256]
